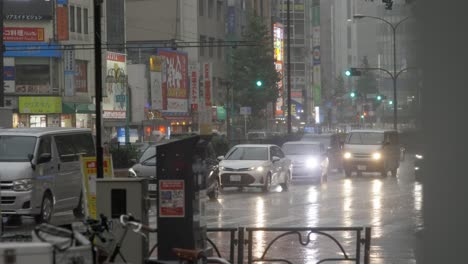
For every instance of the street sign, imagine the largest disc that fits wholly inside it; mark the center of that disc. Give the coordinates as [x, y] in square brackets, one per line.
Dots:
[246, 110]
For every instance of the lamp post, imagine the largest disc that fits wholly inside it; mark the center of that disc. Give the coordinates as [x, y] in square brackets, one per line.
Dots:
[395, 74]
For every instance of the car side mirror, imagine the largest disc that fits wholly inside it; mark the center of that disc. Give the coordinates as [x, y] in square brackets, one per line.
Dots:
[44, 158]
[275, 159]
[220, 158]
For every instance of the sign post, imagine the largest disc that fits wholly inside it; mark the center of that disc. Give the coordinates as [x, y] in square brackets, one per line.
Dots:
[245, 111]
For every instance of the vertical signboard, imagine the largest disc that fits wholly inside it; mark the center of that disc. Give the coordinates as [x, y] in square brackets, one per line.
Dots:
[278, 45]
[69, 67]
[114, 101]
[62, 22]
[9, 75]
[194, 89]
[207, 83]
[175, 81]
[156, 83]
[317, 75]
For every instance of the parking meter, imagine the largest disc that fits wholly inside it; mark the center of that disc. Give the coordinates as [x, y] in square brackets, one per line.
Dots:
[181, 176]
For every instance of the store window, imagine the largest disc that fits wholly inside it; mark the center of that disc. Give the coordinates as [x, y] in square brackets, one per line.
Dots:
[38, 121]
[81, 76]
[78, 19]
[85, 21]
[72, 19]
[32, 76]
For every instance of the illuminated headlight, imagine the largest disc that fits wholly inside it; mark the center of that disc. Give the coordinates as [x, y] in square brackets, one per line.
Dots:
[311, 163]
[416, 168]
[22, 185]
[259, 169]
[347, 155]
[132, 173]
[419, 156]
[376, 156]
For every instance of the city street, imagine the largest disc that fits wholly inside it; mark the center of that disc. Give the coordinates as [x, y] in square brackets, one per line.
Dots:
[391, 206]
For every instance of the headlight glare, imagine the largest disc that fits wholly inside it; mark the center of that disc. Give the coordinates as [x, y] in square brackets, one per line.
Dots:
[418, 156]
[22, 185]
[376, 156]
[347, 155]
[311, 163]
[260, 168]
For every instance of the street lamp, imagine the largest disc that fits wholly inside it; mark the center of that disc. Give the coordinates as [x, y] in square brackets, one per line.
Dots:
[395, 74]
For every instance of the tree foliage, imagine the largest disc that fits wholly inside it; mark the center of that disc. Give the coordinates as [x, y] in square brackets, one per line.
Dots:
[367, 83]
[252, 63]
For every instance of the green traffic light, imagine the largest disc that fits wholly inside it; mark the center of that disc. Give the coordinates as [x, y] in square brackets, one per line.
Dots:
[348, 73]
[390, 102]
[353, 94]
[362, 116]
[259, 83]
[379, 97]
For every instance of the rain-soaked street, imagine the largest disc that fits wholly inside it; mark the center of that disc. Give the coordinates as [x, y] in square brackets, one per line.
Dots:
[390, 206]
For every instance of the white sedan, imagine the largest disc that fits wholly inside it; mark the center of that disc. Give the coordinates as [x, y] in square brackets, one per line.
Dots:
[255, 165]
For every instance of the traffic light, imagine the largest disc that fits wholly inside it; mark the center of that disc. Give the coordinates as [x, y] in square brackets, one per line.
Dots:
[352, 94]
[352, 72]
[379, 98]
[259, 83]
[390, 102]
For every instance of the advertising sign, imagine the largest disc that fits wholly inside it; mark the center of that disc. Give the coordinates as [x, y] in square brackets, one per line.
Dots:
[116, 86]
[32, 49]
[278, 45]
[23, 34]
[81, 76]
[175, 81]
[207, 83]
[40, 105]
[194, 89]
[62, 23]
[231, 19]
[89, 175]
[172, 198]
[246, 110]
[69, 67]
[29, 10]
[156, 83]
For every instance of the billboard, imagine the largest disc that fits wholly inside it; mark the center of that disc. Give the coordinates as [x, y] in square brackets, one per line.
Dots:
[62, 22]
[40, 105]
[194, 89]
[174, 81]
[30, 10]
[115, 91]
[208, 84]
[23, 34]
[156, 83]
[278, 46]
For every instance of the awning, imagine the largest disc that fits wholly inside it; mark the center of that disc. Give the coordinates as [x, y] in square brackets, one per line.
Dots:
[78, 108]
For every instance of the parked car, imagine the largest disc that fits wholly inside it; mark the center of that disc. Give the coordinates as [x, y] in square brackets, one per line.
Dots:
[372, 151]
[40, 170]
[334, 146]
[309, 160]
[255, 165]
[146, 167]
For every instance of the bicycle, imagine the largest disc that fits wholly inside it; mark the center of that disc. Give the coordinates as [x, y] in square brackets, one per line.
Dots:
[194, 256]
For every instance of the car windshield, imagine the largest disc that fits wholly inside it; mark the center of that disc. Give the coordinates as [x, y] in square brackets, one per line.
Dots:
[255, 135]
[248, 153]
[365, 138]
[301, 149]
[325, 140]
[16, 148]
[149, 156]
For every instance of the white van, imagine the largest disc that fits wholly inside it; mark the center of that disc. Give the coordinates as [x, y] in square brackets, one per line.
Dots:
[371, 151]
[40, 170]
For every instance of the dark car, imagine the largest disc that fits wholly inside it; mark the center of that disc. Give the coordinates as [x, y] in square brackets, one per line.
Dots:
[333, 142]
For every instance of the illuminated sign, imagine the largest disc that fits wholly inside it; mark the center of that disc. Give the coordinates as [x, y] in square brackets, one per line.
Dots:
[278, 46]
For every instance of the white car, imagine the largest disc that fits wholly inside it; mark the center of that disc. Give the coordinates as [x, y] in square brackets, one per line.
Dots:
[309, 159]
[255, 165]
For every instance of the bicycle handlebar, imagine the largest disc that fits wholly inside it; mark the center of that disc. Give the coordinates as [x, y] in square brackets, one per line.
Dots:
[138, 227]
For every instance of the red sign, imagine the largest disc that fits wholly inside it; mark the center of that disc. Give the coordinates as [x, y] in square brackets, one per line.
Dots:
[81, 77]
[62, 22]
[171, 198]
[175, 81]
[21, 34]
[207, 78]
[112, 56]
[194, 87]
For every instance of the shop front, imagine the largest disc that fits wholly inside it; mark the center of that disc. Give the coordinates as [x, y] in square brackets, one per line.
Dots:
[38, 111]
[78, 115]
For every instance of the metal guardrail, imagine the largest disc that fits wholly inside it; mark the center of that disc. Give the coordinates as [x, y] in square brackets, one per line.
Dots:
[238, 238]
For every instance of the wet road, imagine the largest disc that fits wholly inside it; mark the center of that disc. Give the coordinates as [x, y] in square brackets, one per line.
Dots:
[391, 206]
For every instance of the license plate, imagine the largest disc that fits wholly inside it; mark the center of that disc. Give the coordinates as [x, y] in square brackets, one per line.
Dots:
[152, 187]
[235, 178]
[361, 167]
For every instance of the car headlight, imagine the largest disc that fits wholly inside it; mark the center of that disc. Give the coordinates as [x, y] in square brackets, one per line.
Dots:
[132, 173]
[259, 169]
[311, 163]
[22, 185]
[419, 156]
[377, 156]
[221, 168]
[347, 155]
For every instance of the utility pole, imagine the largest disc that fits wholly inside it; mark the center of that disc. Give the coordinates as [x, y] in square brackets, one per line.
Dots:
[2, 88]
[98, 86]
[288, 68]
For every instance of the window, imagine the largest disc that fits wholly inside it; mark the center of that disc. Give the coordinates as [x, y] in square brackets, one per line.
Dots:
[211, 47]
[78, 19]
[365, 138]
[202, 45]
[44, 146]
[349, 38]
[278, 152]
[66, 149]
[72, 19]
[27, 76]
[220, 48]
[84, 144]
[210, 8]
[85, 20]
[219, 10]
[201, 7]
[248, 153]
[16, 148]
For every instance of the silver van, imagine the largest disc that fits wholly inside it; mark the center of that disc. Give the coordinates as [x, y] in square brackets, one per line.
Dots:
[371, 151]
[40, 170]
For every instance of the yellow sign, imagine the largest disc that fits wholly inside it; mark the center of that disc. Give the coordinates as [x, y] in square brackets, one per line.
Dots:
[40, 105]
[155, 63]
[89, 173]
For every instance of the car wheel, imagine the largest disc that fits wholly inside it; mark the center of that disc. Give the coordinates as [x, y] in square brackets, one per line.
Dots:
[266, 187]
[347, 173]
[285, 185]
[79, 212]
[214, 194]
[47, 209]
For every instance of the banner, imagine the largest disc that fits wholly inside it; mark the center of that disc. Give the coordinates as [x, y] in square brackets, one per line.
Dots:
[114, 96]
[194, 89]
[23, 34]
[89, 175]
[174, 81]
[62, 23]
[156, 83]
[278, 46]
[69, 67]
[28, 10]
[208, 83]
